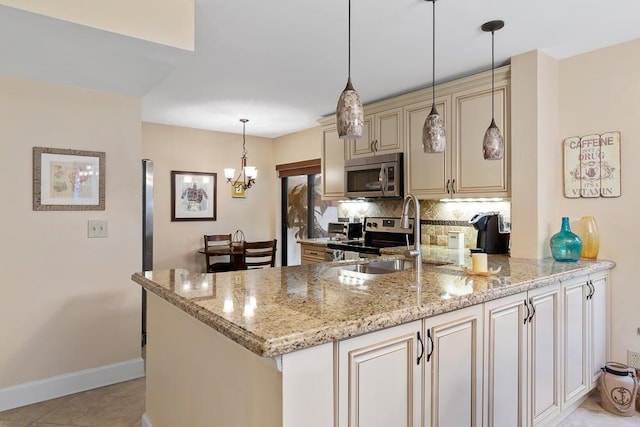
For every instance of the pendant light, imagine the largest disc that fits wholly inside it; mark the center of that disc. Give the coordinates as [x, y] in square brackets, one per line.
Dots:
[248, 174]
[493, 142]
[433, 136]
[349, 112]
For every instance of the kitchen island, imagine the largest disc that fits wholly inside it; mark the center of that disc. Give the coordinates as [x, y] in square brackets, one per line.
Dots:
[306, 345]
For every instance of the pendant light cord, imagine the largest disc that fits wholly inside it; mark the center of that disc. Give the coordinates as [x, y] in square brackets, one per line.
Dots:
[433, 50]
[349, 62]
[492, 73]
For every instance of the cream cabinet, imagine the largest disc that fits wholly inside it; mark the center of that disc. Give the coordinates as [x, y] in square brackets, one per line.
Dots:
[522, 358]
[585, 334]
[544, 346]
[461, 170]
[333, 154]
[379, 379]
[382, 134]
[453, 368]
[505, 364]
[598, 324]
[311, 254]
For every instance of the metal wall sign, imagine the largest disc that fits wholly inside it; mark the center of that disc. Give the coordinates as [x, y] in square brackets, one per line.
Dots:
[592, 165]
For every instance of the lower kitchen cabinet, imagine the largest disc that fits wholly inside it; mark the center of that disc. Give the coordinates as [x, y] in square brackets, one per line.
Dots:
[522, 358]
[379, 379]
[453, 368]
[505, 364]
[311, 254]
[544, 344]
[598, 324]
[586, 334]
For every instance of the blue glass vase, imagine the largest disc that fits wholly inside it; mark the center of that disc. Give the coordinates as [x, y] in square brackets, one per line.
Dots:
[565, 245]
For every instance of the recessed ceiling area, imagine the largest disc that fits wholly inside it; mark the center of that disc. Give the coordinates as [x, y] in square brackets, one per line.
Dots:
[283, 64]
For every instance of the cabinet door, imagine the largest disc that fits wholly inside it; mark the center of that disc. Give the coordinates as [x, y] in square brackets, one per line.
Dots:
[598, 325]
[363, 146]
[388, 135]
[505, 350]
[544, 354]
[453, 373]
[333, 149]
[379, 378]
[428, 175]
[574, 339]
[472, 174]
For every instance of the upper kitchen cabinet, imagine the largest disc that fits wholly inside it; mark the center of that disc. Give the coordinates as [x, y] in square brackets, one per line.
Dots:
[382, 134]
[333, 154]
[428, 175]
[461, 170]
[472, 175]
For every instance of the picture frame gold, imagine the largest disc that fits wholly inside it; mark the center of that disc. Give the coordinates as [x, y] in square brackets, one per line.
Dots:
[68, 179]
[238, 191]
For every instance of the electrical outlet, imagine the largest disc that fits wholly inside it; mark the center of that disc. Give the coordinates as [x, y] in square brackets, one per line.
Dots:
[633, 359]
[97, 228]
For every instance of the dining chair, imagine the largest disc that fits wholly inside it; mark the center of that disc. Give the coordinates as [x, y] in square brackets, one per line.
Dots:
[217, 241]
[260, 254]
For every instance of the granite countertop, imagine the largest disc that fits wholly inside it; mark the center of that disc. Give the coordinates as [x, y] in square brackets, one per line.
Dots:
[319, 241]
[274, 311]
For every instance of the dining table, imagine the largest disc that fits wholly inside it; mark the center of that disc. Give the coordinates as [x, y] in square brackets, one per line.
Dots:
[235, 252]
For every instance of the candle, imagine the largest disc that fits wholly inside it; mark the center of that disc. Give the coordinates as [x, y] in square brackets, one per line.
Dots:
[479, 262]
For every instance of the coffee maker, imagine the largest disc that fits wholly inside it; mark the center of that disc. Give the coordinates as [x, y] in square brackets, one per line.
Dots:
[493, 233]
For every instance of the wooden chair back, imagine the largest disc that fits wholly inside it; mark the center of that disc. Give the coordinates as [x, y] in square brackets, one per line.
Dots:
[214, 240]
[260, 254]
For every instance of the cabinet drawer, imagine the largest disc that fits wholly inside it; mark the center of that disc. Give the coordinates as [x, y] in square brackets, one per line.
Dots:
[313, 253]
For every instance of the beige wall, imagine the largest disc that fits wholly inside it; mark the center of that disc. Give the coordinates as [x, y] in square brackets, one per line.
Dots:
[168, 22]
[600, 92]
[534, 131]
[67, 302]
[184, 149]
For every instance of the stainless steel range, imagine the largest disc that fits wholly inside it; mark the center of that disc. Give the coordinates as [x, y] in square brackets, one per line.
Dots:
[378, 233]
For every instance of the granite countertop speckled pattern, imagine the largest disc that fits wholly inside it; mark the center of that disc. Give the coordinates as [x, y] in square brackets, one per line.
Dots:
[320, 241]
[275, 311]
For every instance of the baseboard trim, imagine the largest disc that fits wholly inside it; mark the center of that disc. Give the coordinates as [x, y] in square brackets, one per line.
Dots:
[146, 421]
[73, 382]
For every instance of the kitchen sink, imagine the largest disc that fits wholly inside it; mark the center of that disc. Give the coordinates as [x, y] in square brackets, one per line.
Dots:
[378, 267]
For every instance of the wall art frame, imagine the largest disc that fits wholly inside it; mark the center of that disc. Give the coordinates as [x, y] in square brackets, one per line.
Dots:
[193, 196]
[68, 179]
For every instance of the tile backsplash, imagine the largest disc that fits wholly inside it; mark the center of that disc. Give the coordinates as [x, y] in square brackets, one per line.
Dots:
[438, 217]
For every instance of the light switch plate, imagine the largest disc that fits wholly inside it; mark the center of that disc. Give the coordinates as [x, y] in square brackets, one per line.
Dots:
[97, 228]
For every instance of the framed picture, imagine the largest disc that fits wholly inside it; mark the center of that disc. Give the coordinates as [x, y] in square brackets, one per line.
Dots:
[193, 196]
[237, 190]
[68, 180]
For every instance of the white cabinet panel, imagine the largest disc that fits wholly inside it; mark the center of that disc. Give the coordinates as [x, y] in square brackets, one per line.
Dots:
[453, 369]
[333, 149]
[505, 351]
[599, 325]
[544, 354]
[379, 378]
[575, 340]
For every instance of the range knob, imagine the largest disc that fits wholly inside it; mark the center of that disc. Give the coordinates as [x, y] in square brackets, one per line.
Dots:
[375, 224]
[368, 224]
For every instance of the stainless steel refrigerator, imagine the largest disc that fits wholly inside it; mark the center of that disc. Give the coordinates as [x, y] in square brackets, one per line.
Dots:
[147, 233]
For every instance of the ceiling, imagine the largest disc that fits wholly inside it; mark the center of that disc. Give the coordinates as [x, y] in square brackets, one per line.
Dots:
[282, 64]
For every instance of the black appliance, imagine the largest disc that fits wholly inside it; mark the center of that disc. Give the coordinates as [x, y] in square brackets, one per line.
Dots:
[493, 233]
[374, 177]
[378, 233]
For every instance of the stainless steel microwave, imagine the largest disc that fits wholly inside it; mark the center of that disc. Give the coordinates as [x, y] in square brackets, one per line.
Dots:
[374, 177]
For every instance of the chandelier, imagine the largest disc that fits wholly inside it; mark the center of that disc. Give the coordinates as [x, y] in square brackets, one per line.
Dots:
[248, 174]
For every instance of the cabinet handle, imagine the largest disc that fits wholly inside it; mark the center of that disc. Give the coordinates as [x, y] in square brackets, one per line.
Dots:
[448, 182]
[592, 289]
[453, 187]
[533, 309]
[526, 305]
[421, 348]
[432, 346]
[375, 145]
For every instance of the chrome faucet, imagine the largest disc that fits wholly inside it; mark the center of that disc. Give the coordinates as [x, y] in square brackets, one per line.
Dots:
[414, 253]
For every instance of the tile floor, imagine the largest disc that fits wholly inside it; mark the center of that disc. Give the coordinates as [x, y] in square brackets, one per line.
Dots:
[122, 405]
